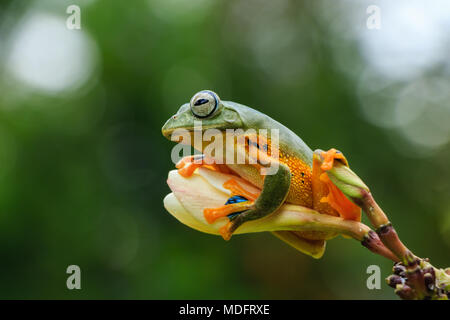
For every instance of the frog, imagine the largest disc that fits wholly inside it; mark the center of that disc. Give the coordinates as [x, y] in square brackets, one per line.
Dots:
[300, 179]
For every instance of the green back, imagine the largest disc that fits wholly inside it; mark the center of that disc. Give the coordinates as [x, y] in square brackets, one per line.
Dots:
[289, 142]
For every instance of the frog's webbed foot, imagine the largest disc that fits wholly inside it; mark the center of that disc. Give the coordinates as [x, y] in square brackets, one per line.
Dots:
[187, 165]
[238, 219]
[329, 157]
[230, 208]
[233, 211]
[327, 197]
[237, 190]
[240, 202]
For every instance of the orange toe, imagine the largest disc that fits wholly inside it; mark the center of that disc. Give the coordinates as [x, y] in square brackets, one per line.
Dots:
[212, 214]
[328, 158]
[180, 164]
[225, 231]
[237, 189]
[187, 170]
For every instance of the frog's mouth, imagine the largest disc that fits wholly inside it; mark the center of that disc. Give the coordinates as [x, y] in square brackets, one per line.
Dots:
[167, 133]
[170, 128]
[171, 133]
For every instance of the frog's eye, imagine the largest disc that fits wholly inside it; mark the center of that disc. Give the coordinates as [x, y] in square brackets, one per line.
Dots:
[204, 103]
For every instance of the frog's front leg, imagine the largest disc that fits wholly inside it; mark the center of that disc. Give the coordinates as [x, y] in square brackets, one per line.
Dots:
[187, 165]
[272, 196]
[327, 198]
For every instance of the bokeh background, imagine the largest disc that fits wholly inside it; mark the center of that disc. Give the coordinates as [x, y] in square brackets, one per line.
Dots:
[83, 164]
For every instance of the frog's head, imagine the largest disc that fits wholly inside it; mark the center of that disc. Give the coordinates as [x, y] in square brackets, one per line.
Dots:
[206, 108]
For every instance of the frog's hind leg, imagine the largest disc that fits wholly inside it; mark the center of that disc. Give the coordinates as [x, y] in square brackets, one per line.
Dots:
[212, 214]
[242, 200]
[273, 194]
[327, 197]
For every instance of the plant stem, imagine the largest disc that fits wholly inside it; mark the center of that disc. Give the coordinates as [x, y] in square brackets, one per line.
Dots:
[419, 280]
[383, 226]
[353, 229]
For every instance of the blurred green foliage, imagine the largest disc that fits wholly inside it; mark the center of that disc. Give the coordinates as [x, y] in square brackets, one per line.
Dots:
[83, 168]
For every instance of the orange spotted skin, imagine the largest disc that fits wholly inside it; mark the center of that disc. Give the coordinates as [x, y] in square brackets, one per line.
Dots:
[300, 192]
[301, 181]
